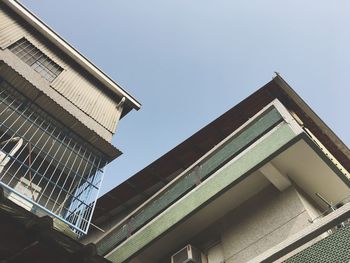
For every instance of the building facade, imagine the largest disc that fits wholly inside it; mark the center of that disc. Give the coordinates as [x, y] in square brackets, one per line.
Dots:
[58, 113]
[267, 181]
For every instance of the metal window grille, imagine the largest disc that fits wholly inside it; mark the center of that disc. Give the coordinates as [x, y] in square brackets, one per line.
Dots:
[44, 166]
[32, 56]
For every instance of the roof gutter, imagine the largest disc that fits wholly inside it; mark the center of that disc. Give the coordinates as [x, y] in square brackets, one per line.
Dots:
[71, 51]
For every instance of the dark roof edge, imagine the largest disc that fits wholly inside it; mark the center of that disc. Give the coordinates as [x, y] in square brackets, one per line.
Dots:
[315, 118]
[234, 117]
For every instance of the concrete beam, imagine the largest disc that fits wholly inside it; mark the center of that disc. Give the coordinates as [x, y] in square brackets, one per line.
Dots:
[279, 180]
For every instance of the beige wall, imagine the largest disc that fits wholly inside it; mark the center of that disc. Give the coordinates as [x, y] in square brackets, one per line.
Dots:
[259, 224]
[266, 220]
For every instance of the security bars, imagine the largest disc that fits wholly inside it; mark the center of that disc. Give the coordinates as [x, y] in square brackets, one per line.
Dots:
[44, 166]
[32, 56]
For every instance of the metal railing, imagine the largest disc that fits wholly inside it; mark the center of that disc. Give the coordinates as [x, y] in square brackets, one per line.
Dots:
[43, 165]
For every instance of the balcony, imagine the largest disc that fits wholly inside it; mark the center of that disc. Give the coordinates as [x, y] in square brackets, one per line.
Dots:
[44, 166]
[270, 150]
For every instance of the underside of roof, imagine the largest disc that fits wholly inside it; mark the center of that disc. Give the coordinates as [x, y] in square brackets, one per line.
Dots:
[145, 183]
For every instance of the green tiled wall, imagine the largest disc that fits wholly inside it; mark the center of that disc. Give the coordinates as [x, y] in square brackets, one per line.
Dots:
[332, 249]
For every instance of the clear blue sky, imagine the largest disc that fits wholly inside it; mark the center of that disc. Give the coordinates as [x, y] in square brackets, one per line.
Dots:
[188, 61]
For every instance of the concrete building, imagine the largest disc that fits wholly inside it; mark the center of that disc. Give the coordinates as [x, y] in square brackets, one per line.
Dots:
[266, 181]
[58, 113]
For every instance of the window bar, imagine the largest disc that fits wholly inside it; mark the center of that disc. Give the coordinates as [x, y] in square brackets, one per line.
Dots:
[74, 181]
[78, 191]
[3, 124]
[8, 106]
[53, 158]
[16, 178]
[34, 145]
[86, 181]
[50, 65]
[22, 46]
[39, 148]
[21, 151]
[46, 155]
[37, 59]
[46, 179]
[90, 183]
[27, 106]
[82, 191]
[52, 174]
[48, 211]
[27, 54]
[98, 191]
[65, 144]
[18, 48]
[11, 126]
[4, 91]
[59, 177]
[67, 176]
[82, 177]
[32, 56]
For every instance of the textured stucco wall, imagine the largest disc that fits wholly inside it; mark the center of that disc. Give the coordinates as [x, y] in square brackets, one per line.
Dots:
[262, 222]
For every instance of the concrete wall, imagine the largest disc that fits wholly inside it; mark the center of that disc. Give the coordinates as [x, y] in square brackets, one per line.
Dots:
[259, 224]
[267, 220]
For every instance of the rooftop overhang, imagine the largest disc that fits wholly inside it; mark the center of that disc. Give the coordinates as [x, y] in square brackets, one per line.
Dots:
[146, 182]
[64, 46]
[285, 148]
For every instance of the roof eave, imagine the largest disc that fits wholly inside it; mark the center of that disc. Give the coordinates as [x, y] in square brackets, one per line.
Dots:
[63, 45]
[313, 116]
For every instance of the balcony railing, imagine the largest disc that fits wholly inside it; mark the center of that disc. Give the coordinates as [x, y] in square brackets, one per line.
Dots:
[45, 167]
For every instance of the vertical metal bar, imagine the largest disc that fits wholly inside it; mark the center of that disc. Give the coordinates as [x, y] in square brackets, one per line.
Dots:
[20, 150]
[59, 177]
[79, 185]
[74, 181]
[88, 190]
[30, 173]
[87, 177]
[49, 179]
[98, 192]
[67, 176]
[35, 145]
[40, 151]
[47, 154]
[8, 128]
[13, 111]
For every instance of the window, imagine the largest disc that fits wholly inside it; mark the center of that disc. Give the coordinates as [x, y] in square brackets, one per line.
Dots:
[32, 56]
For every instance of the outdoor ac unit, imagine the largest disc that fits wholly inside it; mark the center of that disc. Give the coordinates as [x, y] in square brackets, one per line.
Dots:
[188, 254]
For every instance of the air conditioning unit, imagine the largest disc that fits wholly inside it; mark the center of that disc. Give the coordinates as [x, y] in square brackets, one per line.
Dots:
[189, 254]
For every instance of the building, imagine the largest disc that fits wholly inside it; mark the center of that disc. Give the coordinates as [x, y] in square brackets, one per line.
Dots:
[267, 181]
[58, 113]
